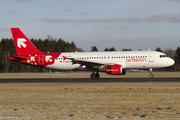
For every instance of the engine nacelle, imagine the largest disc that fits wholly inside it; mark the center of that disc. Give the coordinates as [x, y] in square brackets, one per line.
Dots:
[115, 70]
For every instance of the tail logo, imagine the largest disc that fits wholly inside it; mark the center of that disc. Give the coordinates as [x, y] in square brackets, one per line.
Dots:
[20, 42]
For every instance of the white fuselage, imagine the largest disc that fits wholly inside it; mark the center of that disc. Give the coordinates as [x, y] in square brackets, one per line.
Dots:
[128, 59]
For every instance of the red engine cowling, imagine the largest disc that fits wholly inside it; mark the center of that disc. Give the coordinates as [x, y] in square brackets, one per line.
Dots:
[115, 70]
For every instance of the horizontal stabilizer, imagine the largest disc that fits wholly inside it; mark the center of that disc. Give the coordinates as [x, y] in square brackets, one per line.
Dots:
[19, 57]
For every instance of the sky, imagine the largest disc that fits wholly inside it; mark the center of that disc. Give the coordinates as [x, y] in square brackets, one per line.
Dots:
[134, 24]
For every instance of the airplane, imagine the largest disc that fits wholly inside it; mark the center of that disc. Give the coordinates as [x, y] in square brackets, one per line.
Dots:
[112, 63]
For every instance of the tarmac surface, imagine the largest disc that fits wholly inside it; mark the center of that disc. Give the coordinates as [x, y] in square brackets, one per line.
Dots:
[71, 80]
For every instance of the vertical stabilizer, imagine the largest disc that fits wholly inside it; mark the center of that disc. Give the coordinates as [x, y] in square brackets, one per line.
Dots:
[22, 44]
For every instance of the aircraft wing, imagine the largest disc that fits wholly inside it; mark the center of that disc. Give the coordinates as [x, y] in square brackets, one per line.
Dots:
[90, 63]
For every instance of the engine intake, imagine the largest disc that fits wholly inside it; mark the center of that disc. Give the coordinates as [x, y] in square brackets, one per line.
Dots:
[115, 70]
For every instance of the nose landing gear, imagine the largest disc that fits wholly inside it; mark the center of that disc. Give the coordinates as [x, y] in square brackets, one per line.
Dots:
[151, 75]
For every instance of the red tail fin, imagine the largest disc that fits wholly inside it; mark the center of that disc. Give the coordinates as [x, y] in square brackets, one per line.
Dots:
[22, 43]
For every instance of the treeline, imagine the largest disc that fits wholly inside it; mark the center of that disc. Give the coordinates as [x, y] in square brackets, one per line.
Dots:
[58, 45]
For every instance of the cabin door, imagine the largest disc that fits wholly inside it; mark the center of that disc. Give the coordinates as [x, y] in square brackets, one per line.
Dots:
[41, 59]
[151, 57]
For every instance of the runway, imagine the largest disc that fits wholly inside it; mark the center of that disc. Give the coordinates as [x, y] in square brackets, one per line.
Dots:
[71, 80]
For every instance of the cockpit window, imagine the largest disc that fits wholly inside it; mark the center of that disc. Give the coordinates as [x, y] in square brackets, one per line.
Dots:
[163, 56]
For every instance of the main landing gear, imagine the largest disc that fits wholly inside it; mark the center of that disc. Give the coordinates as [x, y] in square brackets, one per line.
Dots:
[94, 75]
[151, 75]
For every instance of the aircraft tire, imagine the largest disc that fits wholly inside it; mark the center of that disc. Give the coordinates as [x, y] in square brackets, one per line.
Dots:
[93, 76]
[97, 75]
[151, 76]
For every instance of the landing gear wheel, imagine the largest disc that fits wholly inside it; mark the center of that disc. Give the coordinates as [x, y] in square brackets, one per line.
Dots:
[151, 76]
[97, 75]
[93, 76]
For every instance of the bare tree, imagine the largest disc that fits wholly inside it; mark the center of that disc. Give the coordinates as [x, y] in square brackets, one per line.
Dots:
[5, 61]
[170, 53]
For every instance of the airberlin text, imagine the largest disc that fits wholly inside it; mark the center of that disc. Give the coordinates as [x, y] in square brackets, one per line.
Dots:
[136, 60]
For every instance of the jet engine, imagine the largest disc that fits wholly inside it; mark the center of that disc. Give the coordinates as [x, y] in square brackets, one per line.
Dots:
[115, 70]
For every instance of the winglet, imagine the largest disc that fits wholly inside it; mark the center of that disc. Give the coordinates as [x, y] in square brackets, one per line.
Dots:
[22, 44]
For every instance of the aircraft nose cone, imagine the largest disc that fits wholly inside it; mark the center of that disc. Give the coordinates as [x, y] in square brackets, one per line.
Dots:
[171, 62]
